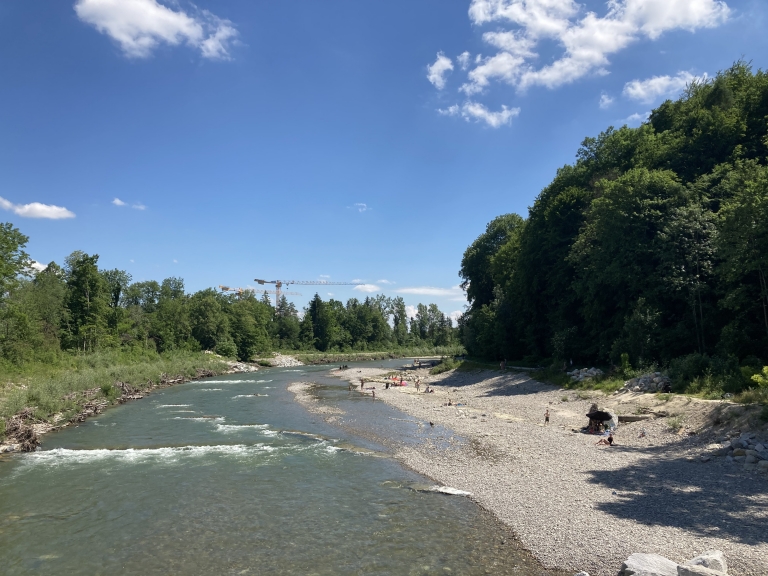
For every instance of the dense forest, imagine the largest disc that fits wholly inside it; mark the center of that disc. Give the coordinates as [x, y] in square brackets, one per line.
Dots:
[78, 307]
[652, 245]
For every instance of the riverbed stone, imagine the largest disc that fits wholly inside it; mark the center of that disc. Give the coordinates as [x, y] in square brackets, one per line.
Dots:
[712, 559]
[749, 459]
[739, 452]
[648, 565]
[698, 571]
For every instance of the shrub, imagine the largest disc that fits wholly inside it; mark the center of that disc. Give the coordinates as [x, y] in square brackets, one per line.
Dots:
[675, 423]
[444, 366]
[761, 379]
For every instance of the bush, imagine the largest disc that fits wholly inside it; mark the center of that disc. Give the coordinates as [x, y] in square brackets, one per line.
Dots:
[444, 366]
[226, 348]
[761, 379]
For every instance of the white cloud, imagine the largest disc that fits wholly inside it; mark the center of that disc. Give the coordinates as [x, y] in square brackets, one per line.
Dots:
[37, 266]
[216, 46]
[410, 311]
[140, 26]
[325, 276]
[637, 118]
[455, 293]
[175, 261]
[475, 111]
[118, 202]
[463, 60]
[587, 40]
[450, 111]
[330, 293]
[385, 282]
[36, 210]
[357, 281]
[479, 113]
[605, 101]
[368, 288]
[139, 206]
[436, 72]
[455, 315]
[361, 206]
[131, 261]
[504, 65]
[513, 43]
[647, 91]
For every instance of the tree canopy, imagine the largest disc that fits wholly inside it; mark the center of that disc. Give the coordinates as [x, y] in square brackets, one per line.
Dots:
[654, 243]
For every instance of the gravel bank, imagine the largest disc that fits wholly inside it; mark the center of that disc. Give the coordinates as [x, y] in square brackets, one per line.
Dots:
[571, 503]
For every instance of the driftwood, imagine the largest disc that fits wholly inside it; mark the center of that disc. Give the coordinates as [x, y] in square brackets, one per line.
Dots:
[90, 408]
[18, 430]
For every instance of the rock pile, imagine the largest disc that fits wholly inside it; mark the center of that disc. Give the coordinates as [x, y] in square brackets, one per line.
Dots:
[280, 361]
[745, 449]
[584, 374]
[241, 368]
[711, 563]
[653, 382]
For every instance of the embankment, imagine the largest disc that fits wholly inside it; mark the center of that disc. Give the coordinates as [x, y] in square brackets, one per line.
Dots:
[38, 405]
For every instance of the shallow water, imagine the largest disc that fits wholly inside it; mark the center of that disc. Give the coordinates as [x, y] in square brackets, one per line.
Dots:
[206, 478]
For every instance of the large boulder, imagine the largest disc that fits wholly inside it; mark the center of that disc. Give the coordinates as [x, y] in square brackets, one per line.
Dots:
[712, 559]
[648, 565]
[698, 571]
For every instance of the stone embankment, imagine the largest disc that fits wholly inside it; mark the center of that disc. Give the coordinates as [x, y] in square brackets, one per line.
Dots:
[581, 374]
[745, 449]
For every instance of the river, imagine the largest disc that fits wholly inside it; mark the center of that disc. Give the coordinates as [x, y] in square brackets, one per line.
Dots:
[230, 475]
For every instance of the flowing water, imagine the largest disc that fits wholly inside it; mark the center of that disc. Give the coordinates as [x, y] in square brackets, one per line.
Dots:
[230, 475]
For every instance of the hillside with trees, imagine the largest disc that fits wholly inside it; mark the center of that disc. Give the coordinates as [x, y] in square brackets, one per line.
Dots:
[653, 245]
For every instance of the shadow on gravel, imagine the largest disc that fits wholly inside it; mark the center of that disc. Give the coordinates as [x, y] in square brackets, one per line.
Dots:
[721, 502]
[506, 384]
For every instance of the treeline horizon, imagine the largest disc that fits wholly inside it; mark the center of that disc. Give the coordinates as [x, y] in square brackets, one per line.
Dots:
[652, 245]
[79, 308]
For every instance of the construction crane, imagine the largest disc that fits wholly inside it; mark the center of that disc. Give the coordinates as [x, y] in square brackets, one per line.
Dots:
[280, 283]
[241, 291]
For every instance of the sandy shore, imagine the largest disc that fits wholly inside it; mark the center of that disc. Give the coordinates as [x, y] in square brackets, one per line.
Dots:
[573, 504]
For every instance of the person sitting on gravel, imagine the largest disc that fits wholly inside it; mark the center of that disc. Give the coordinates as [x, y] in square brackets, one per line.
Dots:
[605, 441]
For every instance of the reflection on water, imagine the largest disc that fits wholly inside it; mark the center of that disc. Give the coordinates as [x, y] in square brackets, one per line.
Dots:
[235, 485]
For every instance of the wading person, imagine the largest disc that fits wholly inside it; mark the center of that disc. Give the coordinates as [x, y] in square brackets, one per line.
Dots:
[373, 393]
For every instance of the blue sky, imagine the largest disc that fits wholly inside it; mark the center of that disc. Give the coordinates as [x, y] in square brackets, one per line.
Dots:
[367, 141]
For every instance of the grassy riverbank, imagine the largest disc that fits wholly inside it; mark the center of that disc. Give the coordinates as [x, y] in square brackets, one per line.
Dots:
[56, 391]
[341, 357]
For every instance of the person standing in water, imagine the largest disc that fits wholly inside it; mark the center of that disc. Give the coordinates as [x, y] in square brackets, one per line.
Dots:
[362, 381]
[373, 393]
